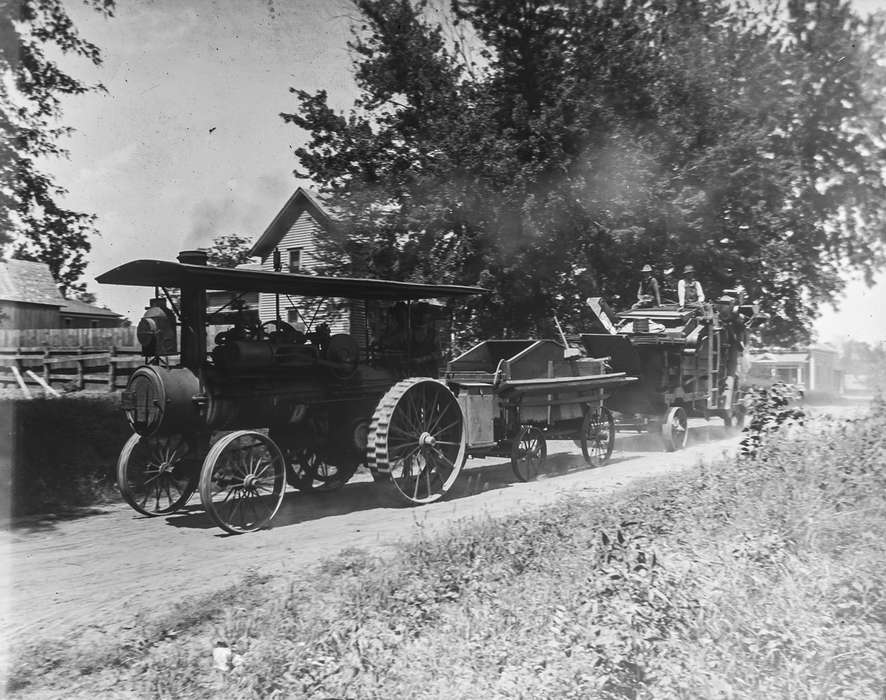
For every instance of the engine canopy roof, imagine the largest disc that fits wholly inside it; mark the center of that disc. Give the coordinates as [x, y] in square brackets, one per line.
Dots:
[162, 273]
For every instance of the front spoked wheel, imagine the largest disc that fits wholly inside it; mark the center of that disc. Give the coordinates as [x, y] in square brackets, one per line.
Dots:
[242, 481]
[417, 437]
[597, 436]
[157, 475]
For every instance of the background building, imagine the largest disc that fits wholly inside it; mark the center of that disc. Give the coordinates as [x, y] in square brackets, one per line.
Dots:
[815, 368]
[79, 314]
[29, 299]
[295, 232]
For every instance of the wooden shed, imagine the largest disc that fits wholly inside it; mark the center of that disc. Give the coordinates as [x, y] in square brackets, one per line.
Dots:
[79, 314]
[29, 297]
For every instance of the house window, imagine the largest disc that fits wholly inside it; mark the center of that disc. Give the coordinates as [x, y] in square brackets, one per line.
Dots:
[295, 259]
[67, 322]
[93, 324]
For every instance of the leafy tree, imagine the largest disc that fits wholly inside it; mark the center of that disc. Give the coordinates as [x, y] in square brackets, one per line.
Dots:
[866, 361]
[590, 138]
[33, 221]
[229, 251]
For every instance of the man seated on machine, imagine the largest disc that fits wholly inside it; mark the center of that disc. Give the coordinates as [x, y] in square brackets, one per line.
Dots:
[689, 291]
[647, 293]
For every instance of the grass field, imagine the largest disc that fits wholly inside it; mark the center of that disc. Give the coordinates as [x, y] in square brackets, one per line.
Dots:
[760, 577]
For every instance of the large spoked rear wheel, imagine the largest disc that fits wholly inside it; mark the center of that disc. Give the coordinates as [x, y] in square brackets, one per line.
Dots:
[242, 481]
[529, 453]
[675, 429]
[417, 435]
[597, 436]
[157, 475]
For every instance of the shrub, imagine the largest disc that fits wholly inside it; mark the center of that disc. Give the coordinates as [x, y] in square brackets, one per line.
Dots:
[63, 451]
[771, 410]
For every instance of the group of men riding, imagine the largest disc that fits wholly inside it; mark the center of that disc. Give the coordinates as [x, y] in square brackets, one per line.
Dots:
[685, 292]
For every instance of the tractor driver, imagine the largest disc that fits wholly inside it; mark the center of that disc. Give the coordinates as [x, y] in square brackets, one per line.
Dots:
[689, 291]
[647, 291]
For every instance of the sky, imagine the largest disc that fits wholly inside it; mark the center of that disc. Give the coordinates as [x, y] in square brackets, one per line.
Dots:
[187, 144]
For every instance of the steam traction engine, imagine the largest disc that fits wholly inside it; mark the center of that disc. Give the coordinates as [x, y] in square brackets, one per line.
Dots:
[687, 361]
[303, 406]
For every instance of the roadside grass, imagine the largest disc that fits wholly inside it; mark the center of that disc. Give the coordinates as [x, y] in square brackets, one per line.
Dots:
[763, 576]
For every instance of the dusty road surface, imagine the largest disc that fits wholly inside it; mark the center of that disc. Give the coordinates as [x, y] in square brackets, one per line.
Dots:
[101, 570]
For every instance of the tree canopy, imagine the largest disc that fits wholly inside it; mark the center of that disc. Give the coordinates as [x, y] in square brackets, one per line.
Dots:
[565, 144]
[33, 219]
[229, 250]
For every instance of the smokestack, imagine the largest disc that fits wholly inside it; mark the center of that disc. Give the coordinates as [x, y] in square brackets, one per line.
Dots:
[193, 257]
[193, 316]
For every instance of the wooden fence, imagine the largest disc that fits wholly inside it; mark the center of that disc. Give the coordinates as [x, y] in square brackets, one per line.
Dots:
[105, 338]
[74, 368]
[74, 358]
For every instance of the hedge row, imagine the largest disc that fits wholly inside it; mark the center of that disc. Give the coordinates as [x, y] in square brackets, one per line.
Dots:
[59, 453]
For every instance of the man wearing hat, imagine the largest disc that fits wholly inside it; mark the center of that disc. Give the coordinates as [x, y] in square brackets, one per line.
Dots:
[647, 292]
[689, 292]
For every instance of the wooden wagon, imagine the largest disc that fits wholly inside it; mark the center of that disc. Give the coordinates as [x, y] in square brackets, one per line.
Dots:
[516, 394]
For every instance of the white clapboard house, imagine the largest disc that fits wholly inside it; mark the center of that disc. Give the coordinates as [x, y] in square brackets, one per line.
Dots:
[295, 231]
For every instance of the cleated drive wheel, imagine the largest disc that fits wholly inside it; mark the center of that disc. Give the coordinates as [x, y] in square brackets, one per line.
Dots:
[417, 439]
[242, 481]
[379, 477]
[157, 475]
[529, 453]
[597, 435]
[675, 429]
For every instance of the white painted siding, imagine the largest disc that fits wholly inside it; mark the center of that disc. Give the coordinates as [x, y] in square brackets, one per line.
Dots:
[303, 234]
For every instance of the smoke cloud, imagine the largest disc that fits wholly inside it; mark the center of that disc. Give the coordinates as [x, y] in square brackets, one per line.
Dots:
[244, 209]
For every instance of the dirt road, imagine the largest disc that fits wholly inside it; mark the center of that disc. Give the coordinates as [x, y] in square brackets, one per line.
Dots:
[101, 570]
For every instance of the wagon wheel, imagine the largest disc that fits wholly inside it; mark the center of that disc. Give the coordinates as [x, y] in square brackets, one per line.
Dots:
[736, 419]
[157, 475]
[597, 436]
[242, 481]
[417, 436]
[529, 453]
[675, 429]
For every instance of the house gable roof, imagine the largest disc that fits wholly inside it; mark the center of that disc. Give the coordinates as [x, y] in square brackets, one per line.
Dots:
[301, 200]
[29, 283]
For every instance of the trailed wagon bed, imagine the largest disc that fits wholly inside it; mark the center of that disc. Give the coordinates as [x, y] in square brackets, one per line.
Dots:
[515, 394]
